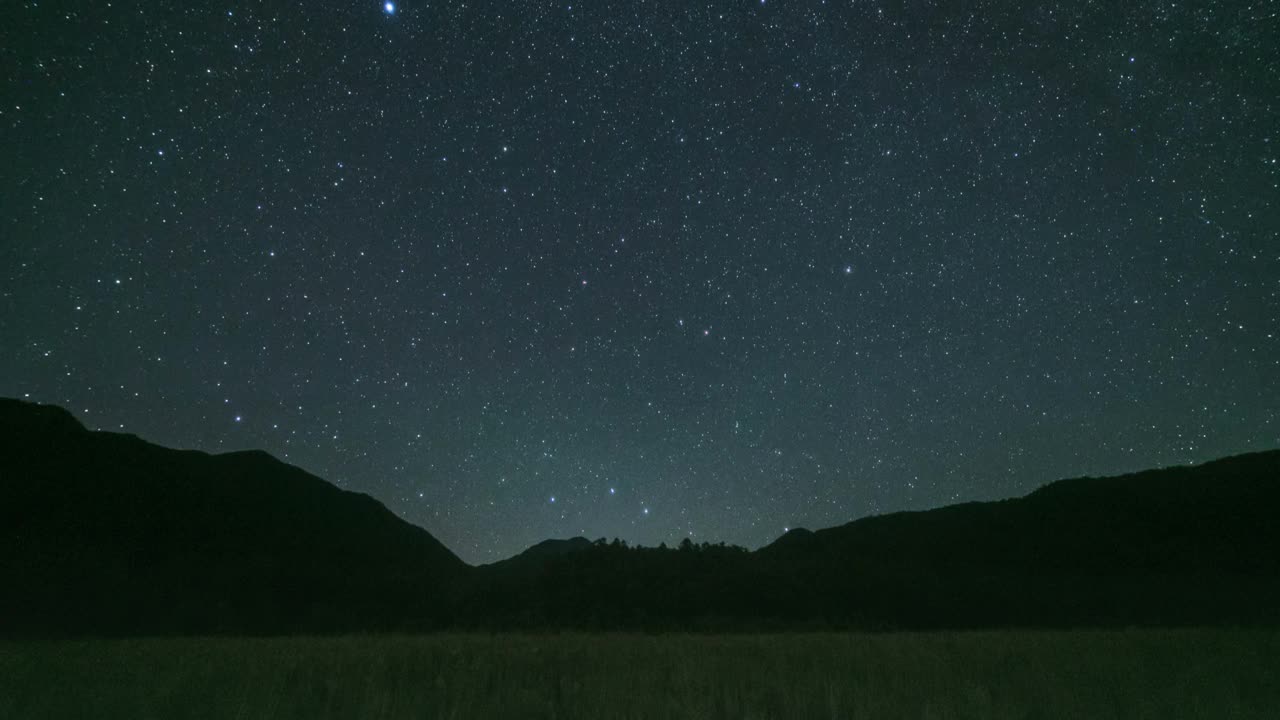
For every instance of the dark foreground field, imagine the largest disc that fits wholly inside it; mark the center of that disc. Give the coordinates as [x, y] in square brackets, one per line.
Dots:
[1123, 674]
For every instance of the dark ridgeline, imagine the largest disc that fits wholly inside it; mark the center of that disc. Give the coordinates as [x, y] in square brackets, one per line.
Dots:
[102, 533]
[1179, 546]
[105, 533]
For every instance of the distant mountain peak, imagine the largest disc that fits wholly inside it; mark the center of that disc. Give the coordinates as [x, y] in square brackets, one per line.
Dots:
[555, 546]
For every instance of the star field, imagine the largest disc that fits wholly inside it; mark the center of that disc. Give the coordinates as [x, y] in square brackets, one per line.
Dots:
[524, 270]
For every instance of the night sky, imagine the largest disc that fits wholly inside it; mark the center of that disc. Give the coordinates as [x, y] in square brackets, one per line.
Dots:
[651, 270]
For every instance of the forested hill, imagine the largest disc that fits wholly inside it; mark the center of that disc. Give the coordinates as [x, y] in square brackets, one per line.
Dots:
[102, 533]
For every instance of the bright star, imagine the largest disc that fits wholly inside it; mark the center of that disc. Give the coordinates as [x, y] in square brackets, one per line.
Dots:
[390, 8]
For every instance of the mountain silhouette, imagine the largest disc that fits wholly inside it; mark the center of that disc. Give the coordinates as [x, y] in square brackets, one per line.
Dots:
[103, 533]
[1177, 546]
[536, 556]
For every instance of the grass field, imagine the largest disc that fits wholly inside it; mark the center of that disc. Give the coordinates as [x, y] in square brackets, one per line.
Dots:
[1097, 675]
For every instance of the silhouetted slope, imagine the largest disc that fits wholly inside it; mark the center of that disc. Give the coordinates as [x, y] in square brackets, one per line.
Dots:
[1191, 545]
[1175, 546]
[105, 533]
[102, 532]
[536, 556]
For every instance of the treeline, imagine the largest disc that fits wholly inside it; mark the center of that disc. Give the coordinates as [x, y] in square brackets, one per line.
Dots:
[613, 585]
[107, 534]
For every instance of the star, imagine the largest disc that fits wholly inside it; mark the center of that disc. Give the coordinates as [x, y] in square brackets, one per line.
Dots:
[434, 299]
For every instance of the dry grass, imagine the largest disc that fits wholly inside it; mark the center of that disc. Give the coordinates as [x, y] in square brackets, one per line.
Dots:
[1098, 675]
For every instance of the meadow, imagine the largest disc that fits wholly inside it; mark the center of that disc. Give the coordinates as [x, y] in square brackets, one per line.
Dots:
[1015, 674]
